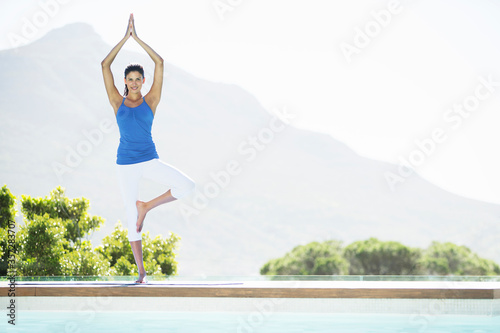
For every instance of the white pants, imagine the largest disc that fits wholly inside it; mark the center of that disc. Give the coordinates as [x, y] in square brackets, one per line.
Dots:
[129, 176]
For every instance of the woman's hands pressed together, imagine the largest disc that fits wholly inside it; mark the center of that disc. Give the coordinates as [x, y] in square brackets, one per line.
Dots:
[131, 28]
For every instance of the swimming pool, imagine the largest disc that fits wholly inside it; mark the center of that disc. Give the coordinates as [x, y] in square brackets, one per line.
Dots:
[216, 322]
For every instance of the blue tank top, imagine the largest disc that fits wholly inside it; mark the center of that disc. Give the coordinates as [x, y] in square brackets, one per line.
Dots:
[136, 143]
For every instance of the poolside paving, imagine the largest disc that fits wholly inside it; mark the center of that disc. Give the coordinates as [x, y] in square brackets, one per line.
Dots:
[261, 289]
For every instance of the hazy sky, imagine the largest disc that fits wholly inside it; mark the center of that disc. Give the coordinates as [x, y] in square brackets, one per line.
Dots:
[395, 80]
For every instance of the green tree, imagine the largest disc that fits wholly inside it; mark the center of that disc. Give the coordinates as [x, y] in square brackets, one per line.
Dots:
[52, 241]
[158, 253]
[72, 212]
[115, 248]
[7, 214]
[311, 259]
[451, 259]
[161, 251]
[375, 257]
[85, 261]
[40, 246]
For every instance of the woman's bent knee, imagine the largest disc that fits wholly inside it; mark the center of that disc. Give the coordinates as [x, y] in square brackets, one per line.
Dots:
[186, 188]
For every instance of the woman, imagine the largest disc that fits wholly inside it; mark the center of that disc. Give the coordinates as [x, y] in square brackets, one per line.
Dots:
[137, 156]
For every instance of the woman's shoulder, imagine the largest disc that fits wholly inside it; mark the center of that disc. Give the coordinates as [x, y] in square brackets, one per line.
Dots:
[118, 105]
[152, 101]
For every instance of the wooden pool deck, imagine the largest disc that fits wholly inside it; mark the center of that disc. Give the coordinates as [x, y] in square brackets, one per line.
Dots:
[262, 289]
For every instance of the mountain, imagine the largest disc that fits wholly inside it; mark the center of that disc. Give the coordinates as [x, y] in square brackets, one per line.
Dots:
[263, 185]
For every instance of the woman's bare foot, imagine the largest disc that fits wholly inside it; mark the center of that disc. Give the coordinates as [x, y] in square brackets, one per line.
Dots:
[142, 278]
[141, 214]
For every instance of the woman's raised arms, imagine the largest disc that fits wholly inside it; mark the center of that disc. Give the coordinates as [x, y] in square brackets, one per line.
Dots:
[115, 99]
[154, 94]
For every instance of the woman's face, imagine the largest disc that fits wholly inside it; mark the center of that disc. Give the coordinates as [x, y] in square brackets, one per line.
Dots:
[134, 82]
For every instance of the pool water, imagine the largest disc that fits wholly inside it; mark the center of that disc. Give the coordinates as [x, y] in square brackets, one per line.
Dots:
[248, 322]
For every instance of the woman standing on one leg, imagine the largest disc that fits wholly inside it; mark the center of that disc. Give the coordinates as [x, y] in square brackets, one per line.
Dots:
[137, 156]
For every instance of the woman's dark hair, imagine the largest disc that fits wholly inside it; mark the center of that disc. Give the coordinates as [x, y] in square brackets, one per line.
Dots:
[132, 68]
